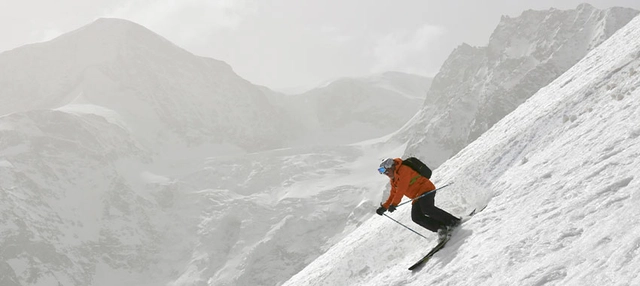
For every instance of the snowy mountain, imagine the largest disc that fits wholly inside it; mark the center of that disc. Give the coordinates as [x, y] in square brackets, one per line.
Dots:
[167, 96]
[477, 86]
[173, 100]
[349, 110]
[124, 161]
[559, 178]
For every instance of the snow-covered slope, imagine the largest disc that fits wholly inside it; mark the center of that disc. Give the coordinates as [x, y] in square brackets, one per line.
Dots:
[560, 176]
[477, 86]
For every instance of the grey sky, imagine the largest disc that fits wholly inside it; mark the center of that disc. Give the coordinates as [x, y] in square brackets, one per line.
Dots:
[290, 43]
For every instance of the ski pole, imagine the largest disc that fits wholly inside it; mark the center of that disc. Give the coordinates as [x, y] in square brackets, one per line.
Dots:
[406, 226]
[429, 192]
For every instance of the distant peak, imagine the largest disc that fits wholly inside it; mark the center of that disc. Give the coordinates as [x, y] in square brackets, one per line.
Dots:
[118, 31]
[115, 25]
[114, 21]
[585, 6]
[464, 47]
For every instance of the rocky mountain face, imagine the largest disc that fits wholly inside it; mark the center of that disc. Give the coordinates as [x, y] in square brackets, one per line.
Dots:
[477, 86]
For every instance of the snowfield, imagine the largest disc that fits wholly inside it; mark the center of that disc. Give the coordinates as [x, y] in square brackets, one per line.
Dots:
[560, 175]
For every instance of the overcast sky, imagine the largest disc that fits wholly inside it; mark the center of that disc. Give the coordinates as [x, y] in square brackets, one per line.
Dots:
[291, 43]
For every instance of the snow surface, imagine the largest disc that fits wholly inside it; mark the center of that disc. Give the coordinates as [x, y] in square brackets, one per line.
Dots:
[560, 178]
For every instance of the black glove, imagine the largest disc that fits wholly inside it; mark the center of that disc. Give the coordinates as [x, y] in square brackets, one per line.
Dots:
[381, 210]
[392, 208]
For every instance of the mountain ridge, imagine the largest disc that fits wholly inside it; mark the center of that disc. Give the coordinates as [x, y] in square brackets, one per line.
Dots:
[149, 81]
[477, 86]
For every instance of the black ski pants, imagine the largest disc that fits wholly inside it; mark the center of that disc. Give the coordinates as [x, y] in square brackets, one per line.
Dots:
[426, 214]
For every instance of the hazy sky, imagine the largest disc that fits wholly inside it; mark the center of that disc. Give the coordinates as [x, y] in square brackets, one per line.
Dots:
[291, 43]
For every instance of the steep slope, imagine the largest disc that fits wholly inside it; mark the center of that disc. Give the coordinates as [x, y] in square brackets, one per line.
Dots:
[168, 96]
[560, 176]
[477, 86]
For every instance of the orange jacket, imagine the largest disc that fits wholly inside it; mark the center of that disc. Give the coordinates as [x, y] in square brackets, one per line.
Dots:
[406, 182]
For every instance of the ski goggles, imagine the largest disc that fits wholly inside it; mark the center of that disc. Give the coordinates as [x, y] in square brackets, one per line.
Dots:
[382, 170]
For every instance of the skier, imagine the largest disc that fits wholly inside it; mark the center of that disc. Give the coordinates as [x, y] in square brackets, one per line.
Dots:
[405, 181]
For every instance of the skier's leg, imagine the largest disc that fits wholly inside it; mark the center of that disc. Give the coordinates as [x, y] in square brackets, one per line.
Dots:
[418, 217]
[427, 205]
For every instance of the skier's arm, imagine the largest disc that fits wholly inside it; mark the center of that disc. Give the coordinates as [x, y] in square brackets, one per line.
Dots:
[392, 195]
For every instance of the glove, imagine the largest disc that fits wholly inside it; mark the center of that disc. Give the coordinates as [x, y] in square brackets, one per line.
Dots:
[381, 210]
[392, 208]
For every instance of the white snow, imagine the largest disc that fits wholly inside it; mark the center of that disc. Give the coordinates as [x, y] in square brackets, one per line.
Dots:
[108, 114]
[560, 178]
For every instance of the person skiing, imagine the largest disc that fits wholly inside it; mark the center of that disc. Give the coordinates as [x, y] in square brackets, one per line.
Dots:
[405, 181]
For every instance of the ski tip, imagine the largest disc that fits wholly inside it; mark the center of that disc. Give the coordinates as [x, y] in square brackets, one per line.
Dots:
[416, 266]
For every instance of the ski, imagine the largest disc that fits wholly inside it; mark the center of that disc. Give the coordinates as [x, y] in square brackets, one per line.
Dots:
[430, 254]
[441, 245]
